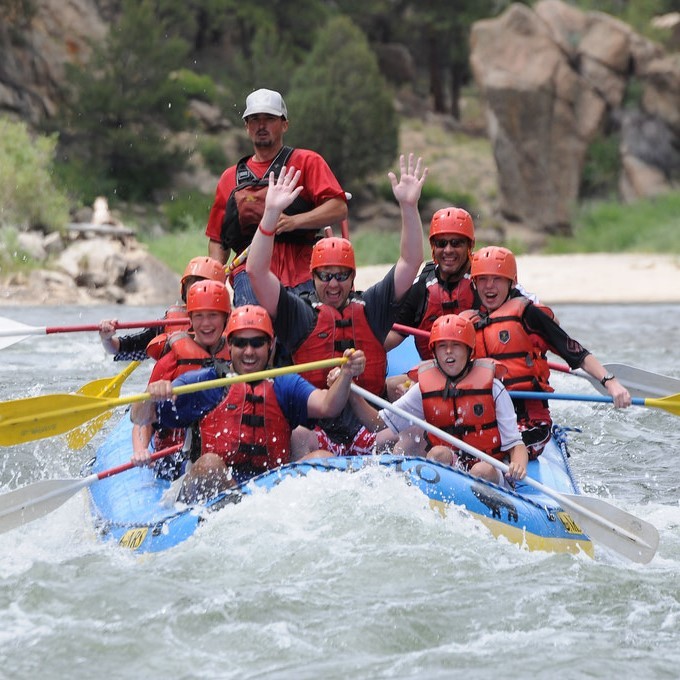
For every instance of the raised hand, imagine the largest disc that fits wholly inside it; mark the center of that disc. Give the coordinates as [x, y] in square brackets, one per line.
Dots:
[407, 189]
[283, 190]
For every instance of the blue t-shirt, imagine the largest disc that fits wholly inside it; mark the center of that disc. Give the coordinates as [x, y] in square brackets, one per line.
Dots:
[292, 393]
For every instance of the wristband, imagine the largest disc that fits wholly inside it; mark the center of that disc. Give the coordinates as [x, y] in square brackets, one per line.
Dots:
[266, 233]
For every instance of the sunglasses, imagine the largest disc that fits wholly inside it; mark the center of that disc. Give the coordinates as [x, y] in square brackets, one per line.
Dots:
[255, 343]
[453, 242]
[329, 276]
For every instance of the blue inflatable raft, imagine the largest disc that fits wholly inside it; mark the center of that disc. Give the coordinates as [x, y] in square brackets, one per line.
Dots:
[128, 508]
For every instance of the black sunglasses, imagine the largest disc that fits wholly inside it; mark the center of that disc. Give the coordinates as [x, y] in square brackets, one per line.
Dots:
[453, 242]
[329, 276]
[255, 343]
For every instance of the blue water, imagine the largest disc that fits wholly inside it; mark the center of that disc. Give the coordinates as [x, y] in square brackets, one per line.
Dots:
[341, 576]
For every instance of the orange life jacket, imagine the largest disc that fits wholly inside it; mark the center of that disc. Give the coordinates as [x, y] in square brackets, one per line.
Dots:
[464, 409]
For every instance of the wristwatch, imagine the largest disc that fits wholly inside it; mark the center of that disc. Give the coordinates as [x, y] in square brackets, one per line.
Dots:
[609, 376]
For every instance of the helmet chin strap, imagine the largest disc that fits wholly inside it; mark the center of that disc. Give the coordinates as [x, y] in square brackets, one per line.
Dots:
[461, 373]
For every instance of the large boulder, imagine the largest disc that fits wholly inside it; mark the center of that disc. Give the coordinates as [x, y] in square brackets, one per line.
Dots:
[54, 33]
[553, 79]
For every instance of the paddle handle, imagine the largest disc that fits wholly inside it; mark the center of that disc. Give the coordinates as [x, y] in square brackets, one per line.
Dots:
[126, 324]
[409, 330]
[239, 259]
[129, 465]
[638, 401]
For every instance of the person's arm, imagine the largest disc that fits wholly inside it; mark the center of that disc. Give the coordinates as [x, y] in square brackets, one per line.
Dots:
[217, 252]
[107, 335]
[280, 194]
[519, 459]
[328, 403]
[393, 340]
[573, 352]
[616, 390]
[407, 192]
[141, 438]
[329, 212]
[511, 439]
[144, 412]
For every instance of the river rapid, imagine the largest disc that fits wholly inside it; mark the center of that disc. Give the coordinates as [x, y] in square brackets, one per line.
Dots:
[339, 576]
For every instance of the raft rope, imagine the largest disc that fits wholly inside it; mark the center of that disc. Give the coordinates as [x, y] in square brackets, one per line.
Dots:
[560, 433]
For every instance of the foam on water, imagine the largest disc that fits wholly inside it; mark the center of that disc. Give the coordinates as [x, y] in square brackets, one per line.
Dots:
[346, 575]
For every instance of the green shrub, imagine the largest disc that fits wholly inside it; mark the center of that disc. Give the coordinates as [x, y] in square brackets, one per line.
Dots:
[213, 155]
[28, 195]
[600, 177]
[187, 211]
[341, 106]
[195, 85]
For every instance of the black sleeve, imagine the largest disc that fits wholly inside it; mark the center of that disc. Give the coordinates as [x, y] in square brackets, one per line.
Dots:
[137, 342]
[538, 322]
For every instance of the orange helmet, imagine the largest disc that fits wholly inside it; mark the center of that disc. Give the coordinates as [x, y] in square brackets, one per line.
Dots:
[494, 261]
[208, 296]
[332, 252]
[205, 268]
[250, 317]
[453, 221]
[455, 328]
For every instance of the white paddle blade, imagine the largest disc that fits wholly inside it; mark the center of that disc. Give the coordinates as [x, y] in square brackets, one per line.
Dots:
[623, 533]
[31, 502]
[12, 332]
[641, 383]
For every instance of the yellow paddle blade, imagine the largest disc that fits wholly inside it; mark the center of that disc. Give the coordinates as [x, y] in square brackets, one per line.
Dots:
[670, 403]
[104, 387]
[25, 420]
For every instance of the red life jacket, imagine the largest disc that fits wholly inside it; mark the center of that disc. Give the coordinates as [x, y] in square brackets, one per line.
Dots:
[189, 356]
[464, 409]
[501, 336]
[439, 301]
[248, 426]
[334, 332]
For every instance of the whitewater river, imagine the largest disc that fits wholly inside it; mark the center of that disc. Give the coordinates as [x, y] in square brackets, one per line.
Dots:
[346, 576]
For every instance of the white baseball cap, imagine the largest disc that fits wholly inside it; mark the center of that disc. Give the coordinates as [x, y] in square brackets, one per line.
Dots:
[265, 101]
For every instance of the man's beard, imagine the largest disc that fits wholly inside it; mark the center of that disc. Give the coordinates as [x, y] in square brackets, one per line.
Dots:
[263, 143]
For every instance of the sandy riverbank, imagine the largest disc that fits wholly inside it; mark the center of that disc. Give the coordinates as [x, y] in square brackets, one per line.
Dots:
[597, 278]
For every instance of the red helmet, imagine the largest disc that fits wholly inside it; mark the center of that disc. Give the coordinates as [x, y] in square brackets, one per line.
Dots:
[494, 261]
[453, 221]
[205, 268]
[208, 296]
[455, 328]
[332, 252]
[250, 317]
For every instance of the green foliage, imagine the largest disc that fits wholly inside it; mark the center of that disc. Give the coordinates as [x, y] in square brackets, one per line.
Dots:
[125, 99]
[431, 192]
[647, 226]
[602, 167]
[177, 248]
[341, 106]
[12, 258]
[213, 155]
[195, 85]
[187, 210]
[28, 195]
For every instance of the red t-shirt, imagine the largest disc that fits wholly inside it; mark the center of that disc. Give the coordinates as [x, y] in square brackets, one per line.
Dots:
[290, 261]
